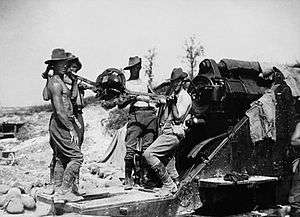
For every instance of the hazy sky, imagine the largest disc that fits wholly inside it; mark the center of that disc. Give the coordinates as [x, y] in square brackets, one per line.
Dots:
[104, 33]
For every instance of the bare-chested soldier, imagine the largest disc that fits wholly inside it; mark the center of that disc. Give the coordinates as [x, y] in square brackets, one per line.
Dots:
[63, 129]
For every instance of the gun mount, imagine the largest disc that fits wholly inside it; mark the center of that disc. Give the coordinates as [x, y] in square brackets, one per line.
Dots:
[217, 142]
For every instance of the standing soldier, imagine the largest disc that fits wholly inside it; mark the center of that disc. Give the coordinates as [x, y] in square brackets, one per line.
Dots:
[77, 90]
[294, 197]
[160, 151]
[63, 129]
[142, 119]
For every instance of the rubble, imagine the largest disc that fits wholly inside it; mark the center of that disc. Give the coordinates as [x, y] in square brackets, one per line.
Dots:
[33, 155]
[4, 189]
[15, 206]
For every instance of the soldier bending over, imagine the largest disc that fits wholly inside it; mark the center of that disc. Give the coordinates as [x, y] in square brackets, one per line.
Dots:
[160, 151]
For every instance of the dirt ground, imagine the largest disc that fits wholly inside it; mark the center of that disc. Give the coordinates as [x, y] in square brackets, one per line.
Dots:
[33, 153]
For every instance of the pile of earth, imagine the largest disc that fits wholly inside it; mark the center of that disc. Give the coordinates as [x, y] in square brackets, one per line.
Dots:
[33, 153]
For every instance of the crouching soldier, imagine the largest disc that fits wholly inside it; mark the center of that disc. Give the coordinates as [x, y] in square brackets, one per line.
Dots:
[63, 129]
[160, 151]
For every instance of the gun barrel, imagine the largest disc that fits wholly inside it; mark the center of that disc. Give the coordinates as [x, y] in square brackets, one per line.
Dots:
[85, 80]
[154, 98]
[151, 95]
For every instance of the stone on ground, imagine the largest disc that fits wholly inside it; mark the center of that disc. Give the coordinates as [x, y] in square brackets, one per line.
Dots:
[4, 189]
[13, 193]
[15, 206]
[28, 202]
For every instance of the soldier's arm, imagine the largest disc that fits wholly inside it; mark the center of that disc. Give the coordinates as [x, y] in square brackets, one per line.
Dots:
[295, 140]
[123, 101]
[56, 93]
[181, 107]
[46, 94]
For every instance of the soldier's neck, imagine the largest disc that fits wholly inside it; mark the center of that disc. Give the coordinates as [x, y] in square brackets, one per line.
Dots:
[133, 78]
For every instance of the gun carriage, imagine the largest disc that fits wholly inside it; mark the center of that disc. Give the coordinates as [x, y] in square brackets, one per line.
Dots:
[218, 141]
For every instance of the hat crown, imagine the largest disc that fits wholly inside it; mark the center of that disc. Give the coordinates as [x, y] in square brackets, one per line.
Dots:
[59, 53]
[134, 60]
[177, 73]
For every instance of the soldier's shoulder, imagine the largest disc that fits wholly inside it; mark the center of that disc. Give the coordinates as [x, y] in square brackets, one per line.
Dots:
[186, 95]
[54, 84]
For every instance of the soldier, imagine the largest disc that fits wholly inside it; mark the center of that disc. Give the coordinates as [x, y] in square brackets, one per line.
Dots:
[142, 119]
[294, 197]
[73, 66]
[77, 90]
[63, 129]
[175, 112]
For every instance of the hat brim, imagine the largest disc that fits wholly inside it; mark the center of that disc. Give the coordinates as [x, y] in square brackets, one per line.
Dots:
[183, 77]
[130, 66]
[76, 60]
[55, 60]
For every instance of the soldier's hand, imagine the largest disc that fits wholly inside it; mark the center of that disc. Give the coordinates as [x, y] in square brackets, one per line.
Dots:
[46, 73]
[74, 137]
[172, 99]
[82, 86]
[162, 100]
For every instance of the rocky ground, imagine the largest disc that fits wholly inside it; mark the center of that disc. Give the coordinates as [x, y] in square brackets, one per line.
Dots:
[33, 153]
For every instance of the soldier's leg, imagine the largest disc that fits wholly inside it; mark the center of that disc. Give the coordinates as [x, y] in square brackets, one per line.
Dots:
[69, 154]
[80, 129]
[150, 134]
[58, 173]
[53, 161]
[147, 175]
[70, 174]
[155, 154]
[171, 168]
[54, 176]
[294, 197]
[132, 134]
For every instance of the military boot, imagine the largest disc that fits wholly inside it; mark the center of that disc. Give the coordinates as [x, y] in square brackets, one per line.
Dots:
[75, 187]
[64, 193]
[56, 175]
[128, 183]
[169, 187]
[49, 188]
[149, 177]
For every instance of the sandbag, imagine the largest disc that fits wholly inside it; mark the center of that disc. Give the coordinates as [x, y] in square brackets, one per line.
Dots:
[13, 193]
[3, 200]
[15, 206]
[4, 189]
[28, 201]
[20, 186]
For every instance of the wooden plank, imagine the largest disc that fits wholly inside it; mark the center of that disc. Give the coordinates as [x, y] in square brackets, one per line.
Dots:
[214, 182]
[119, 202]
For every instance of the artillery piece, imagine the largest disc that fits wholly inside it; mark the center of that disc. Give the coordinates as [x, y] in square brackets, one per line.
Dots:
[217, 142]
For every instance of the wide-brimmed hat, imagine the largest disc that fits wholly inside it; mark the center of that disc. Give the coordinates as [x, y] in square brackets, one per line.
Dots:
[58, 54]
[177, 74]
[74, 59]
[133, 61]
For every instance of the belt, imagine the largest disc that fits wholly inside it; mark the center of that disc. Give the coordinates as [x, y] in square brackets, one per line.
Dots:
[168, 122]
[148, 108]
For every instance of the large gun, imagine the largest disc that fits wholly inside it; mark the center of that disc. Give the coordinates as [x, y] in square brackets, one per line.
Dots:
[111, 85]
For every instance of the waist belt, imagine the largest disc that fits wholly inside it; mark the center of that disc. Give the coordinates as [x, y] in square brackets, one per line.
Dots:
[148, 108]
[170, 123]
